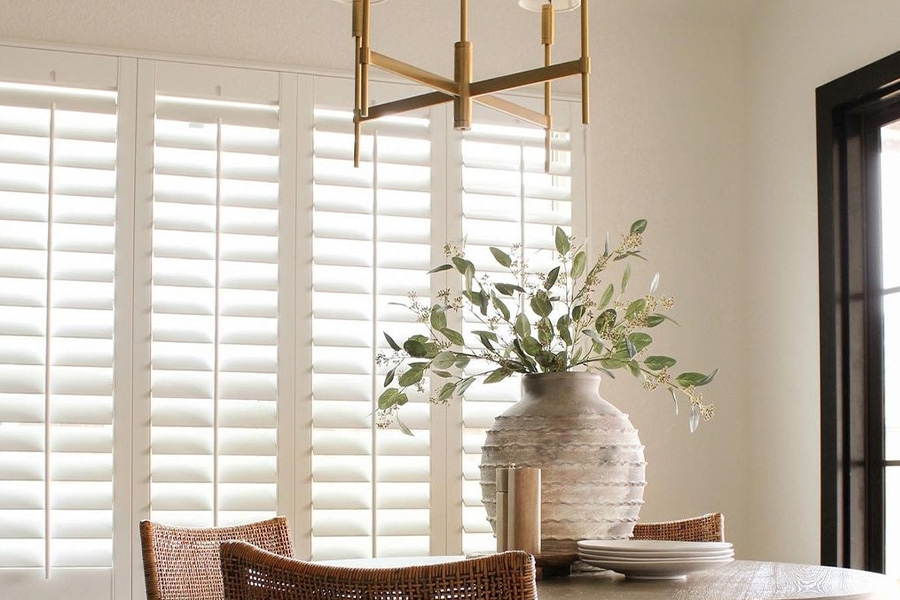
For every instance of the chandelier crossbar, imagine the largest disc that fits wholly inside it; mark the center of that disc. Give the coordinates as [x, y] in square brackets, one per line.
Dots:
[462, 90]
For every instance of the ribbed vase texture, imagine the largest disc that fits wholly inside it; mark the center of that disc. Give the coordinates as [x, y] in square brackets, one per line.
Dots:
[591, 460]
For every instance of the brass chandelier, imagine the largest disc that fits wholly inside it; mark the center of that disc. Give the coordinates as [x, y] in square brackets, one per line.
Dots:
[462, 90]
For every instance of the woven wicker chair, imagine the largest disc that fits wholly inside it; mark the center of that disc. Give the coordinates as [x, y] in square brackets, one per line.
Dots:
[706, 528]
[253, 574]
[182, 563]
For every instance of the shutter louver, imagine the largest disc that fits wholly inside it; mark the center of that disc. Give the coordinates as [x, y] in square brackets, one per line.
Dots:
[57, 232]
[214, 317]
[508, 201]
[371, 246]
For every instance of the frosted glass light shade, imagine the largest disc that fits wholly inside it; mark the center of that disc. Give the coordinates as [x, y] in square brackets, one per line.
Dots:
[558, 5]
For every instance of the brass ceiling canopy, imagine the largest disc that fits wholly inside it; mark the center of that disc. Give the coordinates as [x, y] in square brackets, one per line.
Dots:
[461, 90]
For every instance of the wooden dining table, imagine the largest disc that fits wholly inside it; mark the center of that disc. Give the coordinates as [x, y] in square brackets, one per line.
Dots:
[738, 580]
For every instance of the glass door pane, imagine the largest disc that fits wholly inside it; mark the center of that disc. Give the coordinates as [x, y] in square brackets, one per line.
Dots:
[890, 211]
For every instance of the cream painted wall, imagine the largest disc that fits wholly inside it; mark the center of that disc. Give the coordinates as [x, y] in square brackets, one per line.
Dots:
[793, 47]
[668, 142]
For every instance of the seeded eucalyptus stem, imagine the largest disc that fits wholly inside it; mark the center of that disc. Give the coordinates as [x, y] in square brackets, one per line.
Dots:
[559, 320]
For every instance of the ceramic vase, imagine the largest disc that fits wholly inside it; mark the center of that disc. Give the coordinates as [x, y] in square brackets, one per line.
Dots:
[591, 459]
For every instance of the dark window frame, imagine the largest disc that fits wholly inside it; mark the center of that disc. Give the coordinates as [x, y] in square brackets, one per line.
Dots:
[849, 112]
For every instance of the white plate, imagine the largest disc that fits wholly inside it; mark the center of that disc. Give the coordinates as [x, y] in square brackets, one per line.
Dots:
[653, 546]
[594, 554]
[648, 569]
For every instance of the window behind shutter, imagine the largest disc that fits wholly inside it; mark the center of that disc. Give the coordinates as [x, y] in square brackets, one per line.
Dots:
[57, 234]
[371, 246]
[509, 202]
[214, 307]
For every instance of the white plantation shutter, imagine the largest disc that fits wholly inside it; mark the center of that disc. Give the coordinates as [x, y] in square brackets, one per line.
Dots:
[371, 246]
[57, 244]
[507, 201]
[214, 301]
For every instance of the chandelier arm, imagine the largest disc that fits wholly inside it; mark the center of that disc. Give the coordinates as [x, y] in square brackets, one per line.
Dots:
[406, 104]
[523, 78]
[514, 110]
[547, 26]
[398, 67]
[363, 60]
[586, 70]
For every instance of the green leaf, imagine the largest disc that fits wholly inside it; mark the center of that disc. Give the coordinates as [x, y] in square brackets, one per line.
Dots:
[438, 318]
[545, 359]
[606, 320]
[658, 363]
[540, 304]
[635, 308]
[655, 319]
[639, 340]
[488, 334]
[446, 391]
[389, 378]
[501, 257]
[500, 306]
[411, 377]
[441, 374]
[466, 268]
[578, 264]
[461, 361]
[387, 398]
[507, 289]
[444, 360]
[462, 265]
[444, 267]
[629, 346]
[552, 276]
[531, 345]
[634, 368]
[454, 336]
[401, 399]
[485, 337]
[577, 312]
[406, 430]
[414, 348]
[391, 342]
[613, 363]
[562, 241]
[522, 326]
[577, 356]
[517, 348]
[497, 375]
[626, 277]
[639, 226]
[606, 297]
[695, 379]
[463, 385]
[545, 331]
[563, 326]
[594, 336]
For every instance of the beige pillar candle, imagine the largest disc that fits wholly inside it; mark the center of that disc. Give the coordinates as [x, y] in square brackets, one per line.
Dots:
[502, 527]
[524, 514]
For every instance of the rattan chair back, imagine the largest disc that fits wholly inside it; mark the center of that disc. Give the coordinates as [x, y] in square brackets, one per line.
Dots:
[705, 528]
[182, 563]
[253, 574]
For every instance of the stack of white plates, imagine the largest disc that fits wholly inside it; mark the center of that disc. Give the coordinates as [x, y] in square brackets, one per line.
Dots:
[651, 559]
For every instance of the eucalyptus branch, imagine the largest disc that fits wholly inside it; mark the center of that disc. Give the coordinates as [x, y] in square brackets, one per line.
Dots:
[561, 320]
